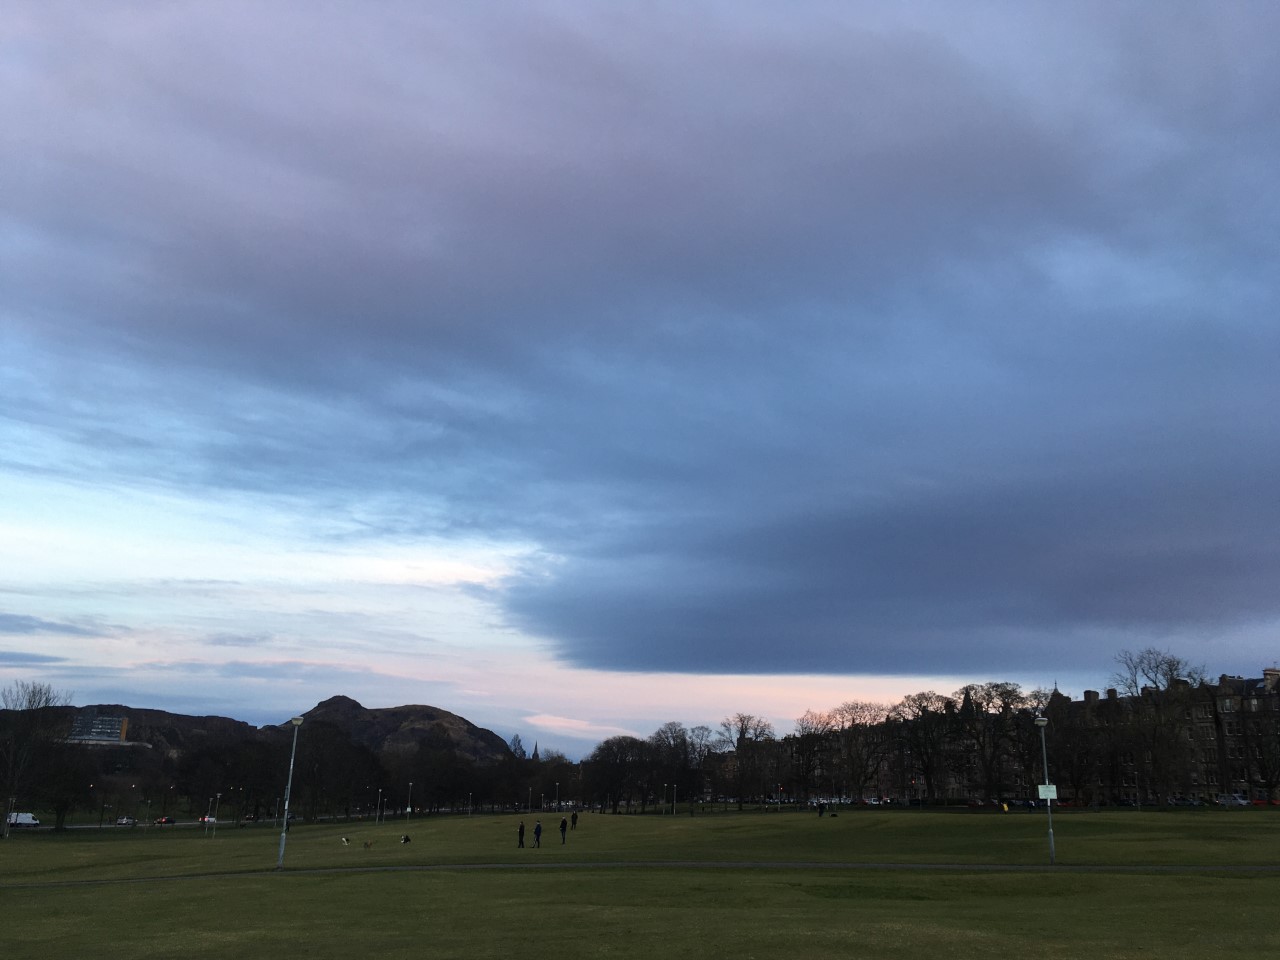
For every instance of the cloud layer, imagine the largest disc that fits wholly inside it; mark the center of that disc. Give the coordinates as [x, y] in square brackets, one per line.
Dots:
[846, 340]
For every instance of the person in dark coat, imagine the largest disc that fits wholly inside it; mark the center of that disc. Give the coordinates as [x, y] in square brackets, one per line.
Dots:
[573, 820]
[537, 833]
[520, 834]
[564, 825]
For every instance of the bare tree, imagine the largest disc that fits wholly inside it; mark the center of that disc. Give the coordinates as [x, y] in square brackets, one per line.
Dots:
[669, 760]
[863, 742]
[31, 722]
[1159, 685]
[809, 749]
[1153, 669]
[926, 725]
[742, 734]
[701, 744]
[985, 720]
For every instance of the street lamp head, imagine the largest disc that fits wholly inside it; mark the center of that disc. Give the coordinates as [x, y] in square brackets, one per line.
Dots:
[1042, 721]
[296, 721]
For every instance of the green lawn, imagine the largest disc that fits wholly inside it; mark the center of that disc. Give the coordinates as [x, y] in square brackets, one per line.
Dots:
[728, 885]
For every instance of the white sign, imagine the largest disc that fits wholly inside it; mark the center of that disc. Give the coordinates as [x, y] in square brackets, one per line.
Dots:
[1048, 791]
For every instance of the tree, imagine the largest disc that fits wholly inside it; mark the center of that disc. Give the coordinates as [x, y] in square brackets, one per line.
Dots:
[32, 722]
[1160, 687]
[809, 750]
[517, 747]
[672, 756]
[863, 741]
[64, 772]
[743, 734]
[925, 724]
[333, 774]
[985, 721]
[612, 770]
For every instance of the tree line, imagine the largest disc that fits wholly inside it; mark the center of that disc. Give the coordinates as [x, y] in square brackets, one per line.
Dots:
[1162, 732]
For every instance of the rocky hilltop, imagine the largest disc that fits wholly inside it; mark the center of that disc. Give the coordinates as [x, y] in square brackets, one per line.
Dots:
[388, 729]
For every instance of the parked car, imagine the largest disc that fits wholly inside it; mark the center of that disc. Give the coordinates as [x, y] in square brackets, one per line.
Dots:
[161, 821]
[23, 820]
[207, 819]
[125, 821]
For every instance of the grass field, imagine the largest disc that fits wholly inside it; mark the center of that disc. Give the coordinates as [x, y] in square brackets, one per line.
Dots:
[865, 884]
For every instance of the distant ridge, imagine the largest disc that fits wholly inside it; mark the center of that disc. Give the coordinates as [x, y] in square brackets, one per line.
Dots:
[381, 729]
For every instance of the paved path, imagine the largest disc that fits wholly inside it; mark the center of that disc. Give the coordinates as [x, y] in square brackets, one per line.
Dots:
[674, 864]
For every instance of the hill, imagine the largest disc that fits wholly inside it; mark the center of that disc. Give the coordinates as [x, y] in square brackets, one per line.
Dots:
[382, 729]
[389, 729]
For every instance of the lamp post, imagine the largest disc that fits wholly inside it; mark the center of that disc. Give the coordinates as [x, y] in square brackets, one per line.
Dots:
[557, 796]
[377, 811]
[216, 805]
[288, 789]
[409, 811]
[1046, 792]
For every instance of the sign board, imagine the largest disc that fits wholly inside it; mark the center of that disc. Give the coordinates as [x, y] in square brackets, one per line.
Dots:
[1048, 791]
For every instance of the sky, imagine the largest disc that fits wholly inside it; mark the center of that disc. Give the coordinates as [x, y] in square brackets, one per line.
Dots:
[579, 367]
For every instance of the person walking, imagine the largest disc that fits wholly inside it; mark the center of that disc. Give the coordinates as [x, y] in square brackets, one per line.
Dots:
[564, 825]
[573, 820]
[520, 834]
[537, 834]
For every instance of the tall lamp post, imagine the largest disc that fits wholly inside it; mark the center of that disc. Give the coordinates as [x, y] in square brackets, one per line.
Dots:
[409, 811]
[1047, 791]
[288, 789]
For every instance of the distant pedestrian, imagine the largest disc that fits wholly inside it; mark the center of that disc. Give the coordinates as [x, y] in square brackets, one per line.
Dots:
[520, 834]
[564, 825]
[573, 821]
[537, 833]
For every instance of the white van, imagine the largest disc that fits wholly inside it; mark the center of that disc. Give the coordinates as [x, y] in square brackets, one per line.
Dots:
[23, 820]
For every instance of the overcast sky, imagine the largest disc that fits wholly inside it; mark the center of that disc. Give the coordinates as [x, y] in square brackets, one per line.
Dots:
[577, 367]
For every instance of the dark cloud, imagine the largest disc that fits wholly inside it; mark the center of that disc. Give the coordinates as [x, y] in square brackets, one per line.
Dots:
[16, 658]
[22, 624]
[827, 342]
